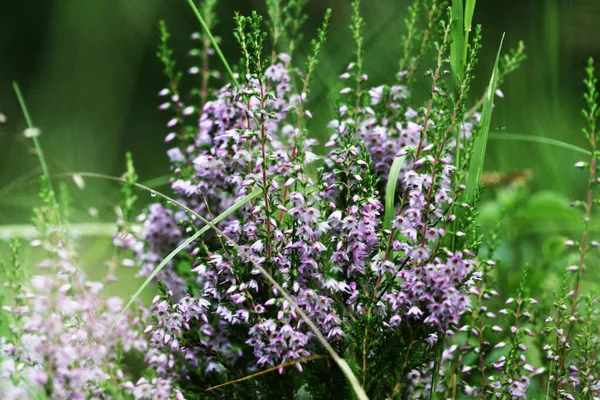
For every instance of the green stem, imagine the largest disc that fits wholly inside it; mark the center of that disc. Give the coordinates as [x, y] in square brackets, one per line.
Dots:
[38, 148]
[214, 43]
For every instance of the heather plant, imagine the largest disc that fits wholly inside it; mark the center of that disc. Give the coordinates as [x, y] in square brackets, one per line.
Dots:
[384, 286]
[61, 342]
[283, 271]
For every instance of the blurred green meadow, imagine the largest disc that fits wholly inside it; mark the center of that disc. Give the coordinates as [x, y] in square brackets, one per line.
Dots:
[90, 77]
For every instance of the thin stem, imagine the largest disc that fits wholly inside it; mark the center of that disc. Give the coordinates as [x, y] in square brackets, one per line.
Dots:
[584, 240]
[430, 19]
[38, 149]
[205, 71]
[437, 366]
[481, 353]
[588, 212]
[214, 43]
[400, 377]
[275, 368]
[265, 182]
[364, 354]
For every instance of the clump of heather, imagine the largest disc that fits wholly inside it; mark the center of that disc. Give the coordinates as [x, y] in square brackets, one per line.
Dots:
[518, 347]
[359, 272]
[387, 287]
[65, 338]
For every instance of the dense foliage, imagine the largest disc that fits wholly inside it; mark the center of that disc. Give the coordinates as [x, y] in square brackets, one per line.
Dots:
[289, 272]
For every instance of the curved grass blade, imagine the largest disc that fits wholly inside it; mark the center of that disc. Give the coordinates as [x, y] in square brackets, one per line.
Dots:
[537, 139]
[157, 182]
[390, 190]
[478, 157]
[341, 363]
[182, 246]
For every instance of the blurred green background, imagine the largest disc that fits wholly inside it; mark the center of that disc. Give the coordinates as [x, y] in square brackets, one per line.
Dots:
[90, 76]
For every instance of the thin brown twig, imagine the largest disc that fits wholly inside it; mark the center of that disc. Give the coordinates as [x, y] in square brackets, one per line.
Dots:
[266, 371]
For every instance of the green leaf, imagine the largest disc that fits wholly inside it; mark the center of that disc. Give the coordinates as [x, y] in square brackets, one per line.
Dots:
[457, 47]
[469, 11]
[390, 190]
[478, 158]
[303, 393]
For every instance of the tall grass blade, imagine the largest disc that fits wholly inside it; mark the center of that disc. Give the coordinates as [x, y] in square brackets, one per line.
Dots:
[478, 157]
[38, 148]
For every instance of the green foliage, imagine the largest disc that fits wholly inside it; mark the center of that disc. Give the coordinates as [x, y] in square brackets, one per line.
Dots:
[410, 39]
[356, 27]
[316, 46]
[46, 216]
[165, 55]
[128, 196]
[13, 275]
[510, 62]
[250, 37]
[593, 110]
[286, 20]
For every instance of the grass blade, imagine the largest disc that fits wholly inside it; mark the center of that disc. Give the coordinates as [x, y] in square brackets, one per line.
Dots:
[390, 190]
[158, 181]
[478, 157]
[457, 47]
[182, 246]
[469, 11]
[537, 139]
